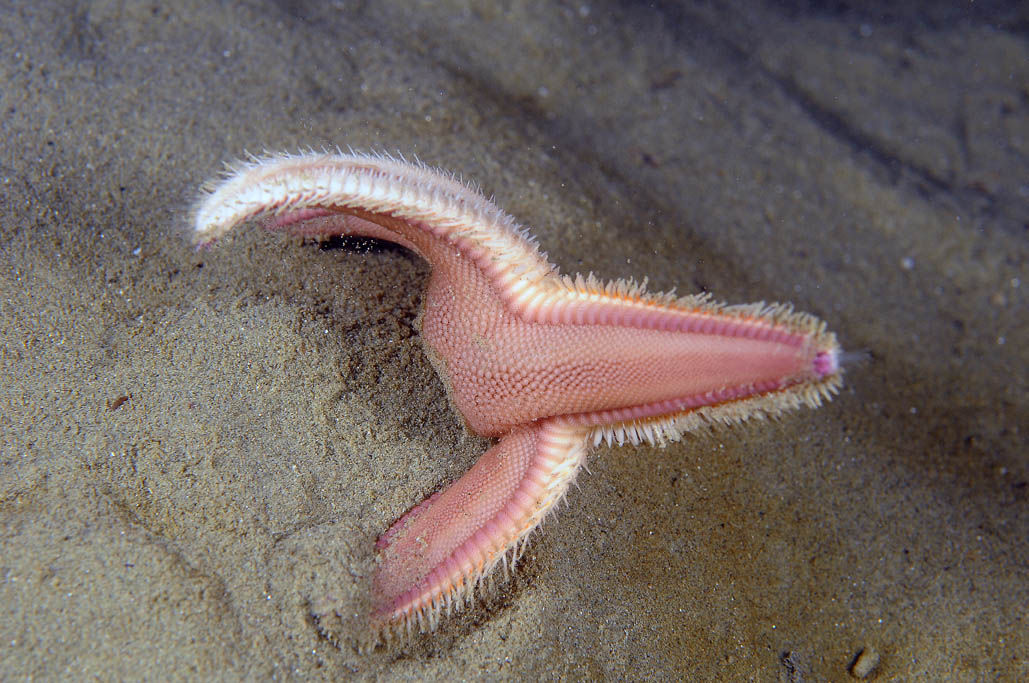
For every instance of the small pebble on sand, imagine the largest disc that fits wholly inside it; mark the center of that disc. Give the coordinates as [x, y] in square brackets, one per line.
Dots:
[865, 662]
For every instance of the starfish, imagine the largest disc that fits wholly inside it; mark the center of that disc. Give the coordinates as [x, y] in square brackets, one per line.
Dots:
[550, 365]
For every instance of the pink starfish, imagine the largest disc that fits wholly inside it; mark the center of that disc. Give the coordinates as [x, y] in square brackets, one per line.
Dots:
[548, 364]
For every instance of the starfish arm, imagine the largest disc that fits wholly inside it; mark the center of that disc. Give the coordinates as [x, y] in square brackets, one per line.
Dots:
[433, 558]
[425, 208]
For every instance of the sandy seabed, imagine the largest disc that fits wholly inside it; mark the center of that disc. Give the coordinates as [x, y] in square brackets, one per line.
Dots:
[199, 448]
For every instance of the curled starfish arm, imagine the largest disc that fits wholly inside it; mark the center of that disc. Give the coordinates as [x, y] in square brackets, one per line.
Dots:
[414, 205]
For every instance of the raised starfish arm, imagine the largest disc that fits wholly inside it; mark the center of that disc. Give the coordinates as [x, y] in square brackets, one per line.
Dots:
[548, 363]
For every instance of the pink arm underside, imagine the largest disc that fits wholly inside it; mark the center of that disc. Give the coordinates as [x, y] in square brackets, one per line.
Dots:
[453, 536]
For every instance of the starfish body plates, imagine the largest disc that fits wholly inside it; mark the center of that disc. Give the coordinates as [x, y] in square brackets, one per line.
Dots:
[549, 364]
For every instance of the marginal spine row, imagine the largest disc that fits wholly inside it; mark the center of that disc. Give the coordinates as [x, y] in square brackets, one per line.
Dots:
[659, 430]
